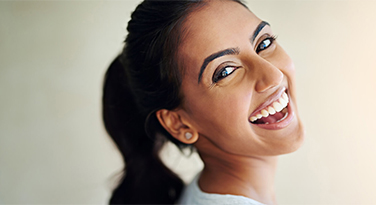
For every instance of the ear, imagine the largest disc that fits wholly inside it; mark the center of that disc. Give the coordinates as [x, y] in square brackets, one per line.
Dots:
[178, 127]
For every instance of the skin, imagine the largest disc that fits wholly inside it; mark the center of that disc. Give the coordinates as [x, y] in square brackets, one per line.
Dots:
[240, 158]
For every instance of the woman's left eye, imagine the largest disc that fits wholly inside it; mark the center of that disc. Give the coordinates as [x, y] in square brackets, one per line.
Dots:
[265, 44]
[223, 73]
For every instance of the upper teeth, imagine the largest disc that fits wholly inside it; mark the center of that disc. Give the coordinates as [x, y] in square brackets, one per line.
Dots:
[277, 106]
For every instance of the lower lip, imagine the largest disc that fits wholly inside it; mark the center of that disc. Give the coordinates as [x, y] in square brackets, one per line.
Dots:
[279, 125]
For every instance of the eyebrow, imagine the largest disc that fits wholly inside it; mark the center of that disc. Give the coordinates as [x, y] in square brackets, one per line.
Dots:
[228, 51]
[258, 29]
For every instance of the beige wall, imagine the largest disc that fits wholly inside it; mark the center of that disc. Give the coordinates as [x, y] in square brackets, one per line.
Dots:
[53, 55]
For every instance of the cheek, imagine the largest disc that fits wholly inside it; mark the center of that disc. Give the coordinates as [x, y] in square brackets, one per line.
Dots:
[283, 61]
[222, 117]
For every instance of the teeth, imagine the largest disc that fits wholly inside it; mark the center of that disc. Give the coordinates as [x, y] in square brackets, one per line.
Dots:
[285, 96]
[271, 110]
[277, 106]
[283, 102]
[264, 113]
[284, 117]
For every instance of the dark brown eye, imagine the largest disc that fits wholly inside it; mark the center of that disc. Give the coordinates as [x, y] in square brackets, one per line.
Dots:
[265, 44]
[224, 72]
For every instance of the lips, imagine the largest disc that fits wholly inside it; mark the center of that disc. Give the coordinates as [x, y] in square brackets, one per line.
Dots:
[275, 113]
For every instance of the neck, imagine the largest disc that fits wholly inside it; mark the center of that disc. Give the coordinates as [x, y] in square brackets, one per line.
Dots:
[252, 177]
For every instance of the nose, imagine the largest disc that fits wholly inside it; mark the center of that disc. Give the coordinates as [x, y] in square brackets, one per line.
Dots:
[267, 75]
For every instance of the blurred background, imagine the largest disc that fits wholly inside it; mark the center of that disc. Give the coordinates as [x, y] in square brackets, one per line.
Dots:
[53, 56]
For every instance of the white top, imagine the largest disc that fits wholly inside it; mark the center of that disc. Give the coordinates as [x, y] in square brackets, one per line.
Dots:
[192, 194]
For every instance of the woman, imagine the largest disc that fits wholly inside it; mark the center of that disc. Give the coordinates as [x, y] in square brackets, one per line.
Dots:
[207, 74]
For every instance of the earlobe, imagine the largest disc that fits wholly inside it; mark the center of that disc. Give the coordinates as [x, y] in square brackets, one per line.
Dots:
[180, 129]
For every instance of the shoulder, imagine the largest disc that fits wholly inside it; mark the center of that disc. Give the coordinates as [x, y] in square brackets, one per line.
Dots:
[193, 195]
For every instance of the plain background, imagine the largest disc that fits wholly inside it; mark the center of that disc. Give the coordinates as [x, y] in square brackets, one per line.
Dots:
[53, 55]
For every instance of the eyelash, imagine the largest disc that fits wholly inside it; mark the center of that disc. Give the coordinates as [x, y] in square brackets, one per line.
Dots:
[223, 71]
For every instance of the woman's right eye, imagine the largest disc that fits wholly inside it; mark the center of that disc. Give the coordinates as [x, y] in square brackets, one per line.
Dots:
[224, 72]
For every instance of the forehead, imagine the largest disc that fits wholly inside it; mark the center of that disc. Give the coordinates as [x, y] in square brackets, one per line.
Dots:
[218, 25]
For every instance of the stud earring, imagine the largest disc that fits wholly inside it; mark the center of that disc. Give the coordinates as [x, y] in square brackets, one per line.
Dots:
[188, 135]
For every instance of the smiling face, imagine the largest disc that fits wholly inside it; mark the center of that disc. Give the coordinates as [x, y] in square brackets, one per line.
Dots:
[238, 83]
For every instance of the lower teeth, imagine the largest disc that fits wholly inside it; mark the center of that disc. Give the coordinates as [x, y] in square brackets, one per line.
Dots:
[284, 117]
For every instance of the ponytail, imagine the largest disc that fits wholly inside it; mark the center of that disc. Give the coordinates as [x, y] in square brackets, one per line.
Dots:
[147, 180]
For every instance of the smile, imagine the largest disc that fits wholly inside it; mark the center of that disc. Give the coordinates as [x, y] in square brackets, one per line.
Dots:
[275, 115]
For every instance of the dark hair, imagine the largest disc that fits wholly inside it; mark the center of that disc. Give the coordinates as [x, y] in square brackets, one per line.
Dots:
[144, 78]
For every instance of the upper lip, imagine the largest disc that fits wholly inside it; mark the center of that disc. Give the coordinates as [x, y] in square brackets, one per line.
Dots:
[275, 96]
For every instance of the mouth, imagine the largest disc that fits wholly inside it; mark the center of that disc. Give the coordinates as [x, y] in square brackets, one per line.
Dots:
[275, 113]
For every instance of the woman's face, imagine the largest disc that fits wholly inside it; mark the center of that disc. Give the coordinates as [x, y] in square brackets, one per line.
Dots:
[234, 74]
